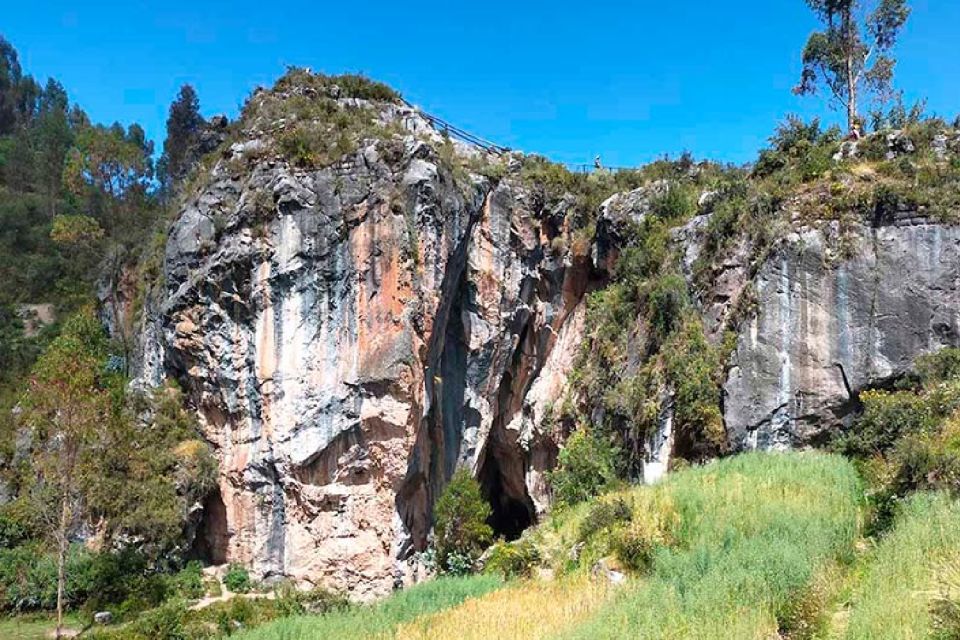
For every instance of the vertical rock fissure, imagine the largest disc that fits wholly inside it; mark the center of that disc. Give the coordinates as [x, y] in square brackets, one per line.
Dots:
[502, 469]
[439, 433]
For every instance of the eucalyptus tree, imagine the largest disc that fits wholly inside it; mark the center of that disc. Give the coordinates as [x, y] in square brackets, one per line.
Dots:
[852, 54]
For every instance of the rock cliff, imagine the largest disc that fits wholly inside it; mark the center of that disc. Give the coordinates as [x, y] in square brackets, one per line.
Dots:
[350, 334]
[351, 322]
[826, 329]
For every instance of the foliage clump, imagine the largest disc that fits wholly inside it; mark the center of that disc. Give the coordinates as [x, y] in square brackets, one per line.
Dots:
[586, 466]
[908, 439]
[237, 579]
[461, 532]
[513, 559]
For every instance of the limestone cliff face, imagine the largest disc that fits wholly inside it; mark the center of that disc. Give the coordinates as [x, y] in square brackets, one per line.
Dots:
[827, 327]
[348, 336]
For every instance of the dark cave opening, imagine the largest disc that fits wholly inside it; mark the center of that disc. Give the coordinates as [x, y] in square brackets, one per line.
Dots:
[503, 484]
[210, 541]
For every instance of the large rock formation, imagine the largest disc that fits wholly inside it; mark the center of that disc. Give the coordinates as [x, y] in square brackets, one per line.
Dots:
[828, 326]
[348, 335]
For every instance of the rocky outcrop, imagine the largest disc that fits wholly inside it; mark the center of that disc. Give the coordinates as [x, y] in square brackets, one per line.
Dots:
[830, 324]
[349, 335]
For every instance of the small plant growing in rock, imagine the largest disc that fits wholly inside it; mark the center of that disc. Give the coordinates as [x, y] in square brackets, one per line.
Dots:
[460, 524]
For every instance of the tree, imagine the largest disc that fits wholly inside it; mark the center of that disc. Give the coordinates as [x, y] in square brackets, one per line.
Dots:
[53, 139]
[852, 53]
[10, 74]
[460, 523]
[110, 169]
[183, 127]
[67, 412]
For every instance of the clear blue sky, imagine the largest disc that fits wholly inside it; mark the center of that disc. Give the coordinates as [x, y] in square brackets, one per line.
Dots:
[628, 80]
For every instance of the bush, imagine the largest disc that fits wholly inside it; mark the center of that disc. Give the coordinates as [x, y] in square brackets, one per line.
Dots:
[799, 150]
[189, 581]
[676, 204]
[28, 578]
[886, 418]
[940, 366]
[651, 529]
[237, 579]
[460, 524]
[163, 623]
[16, 524]
[603, 515]
[586, 467]
[667, 301]
[694, 369]
[513, 559]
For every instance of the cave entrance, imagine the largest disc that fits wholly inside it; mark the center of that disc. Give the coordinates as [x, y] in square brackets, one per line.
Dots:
[502, 481]
[210, 542]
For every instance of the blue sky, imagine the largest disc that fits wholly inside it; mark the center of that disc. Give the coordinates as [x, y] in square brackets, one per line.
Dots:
[628, 80]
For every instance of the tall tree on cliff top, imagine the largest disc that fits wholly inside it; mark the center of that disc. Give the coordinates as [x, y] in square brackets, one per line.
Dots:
[183, 127]
[852, 55]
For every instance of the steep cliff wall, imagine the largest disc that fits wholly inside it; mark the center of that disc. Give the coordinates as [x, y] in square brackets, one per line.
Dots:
[355, 306]
[829, 327]
[349, 334]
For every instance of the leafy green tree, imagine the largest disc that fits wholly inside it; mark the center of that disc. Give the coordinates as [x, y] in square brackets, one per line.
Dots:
[460, 521]
[852, 53]
[53, 138]
[67, 412]
[10, 75]
[155, 469]
[110, 169]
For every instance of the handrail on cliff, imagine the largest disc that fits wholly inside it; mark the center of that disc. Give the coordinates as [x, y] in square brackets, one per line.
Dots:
[491, 147]
[456, 132]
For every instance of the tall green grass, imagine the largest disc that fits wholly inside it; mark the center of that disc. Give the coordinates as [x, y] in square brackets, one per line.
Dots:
[381, 619]
[755, 530]
[893, 599]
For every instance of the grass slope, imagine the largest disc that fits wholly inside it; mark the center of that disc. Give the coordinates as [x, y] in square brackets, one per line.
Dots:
[527, 610]
[756, 530]
[893, 599]
[379, 620]
[35, 627]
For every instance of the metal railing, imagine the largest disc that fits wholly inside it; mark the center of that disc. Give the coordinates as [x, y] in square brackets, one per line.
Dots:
[491, 147]
[456, 132]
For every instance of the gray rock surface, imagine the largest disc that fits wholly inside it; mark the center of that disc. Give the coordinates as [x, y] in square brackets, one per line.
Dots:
[351, 334]
[827, 328]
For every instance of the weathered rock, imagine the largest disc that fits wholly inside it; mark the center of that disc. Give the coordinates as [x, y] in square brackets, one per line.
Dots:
[618, 214]
[35, 317]
[103, 617]
[827, 329]
[348, 336]
[898, 144]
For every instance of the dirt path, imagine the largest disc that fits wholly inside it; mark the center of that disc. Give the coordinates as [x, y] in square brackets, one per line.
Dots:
[226, 595]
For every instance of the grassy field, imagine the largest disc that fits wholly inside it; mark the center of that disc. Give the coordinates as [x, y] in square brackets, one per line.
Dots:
[34, 627]
[756, 532]
[527, 610]
[380, 620]
[892, 600]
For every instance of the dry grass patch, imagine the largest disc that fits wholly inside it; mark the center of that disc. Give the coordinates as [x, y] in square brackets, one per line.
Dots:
[527, 610]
